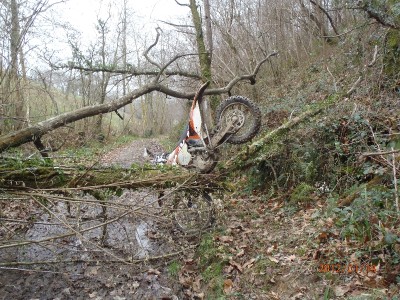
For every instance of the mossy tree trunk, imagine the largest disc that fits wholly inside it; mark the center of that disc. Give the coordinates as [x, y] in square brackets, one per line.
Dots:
[205, 54]
[391, 58]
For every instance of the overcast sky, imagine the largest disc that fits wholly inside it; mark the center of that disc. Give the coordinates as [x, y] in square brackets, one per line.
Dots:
[82, 14]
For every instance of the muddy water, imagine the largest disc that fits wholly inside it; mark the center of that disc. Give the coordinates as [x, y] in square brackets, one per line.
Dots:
[87, 266]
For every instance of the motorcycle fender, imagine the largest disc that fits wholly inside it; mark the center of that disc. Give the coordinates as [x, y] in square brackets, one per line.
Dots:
[184, 156]
[196, 120]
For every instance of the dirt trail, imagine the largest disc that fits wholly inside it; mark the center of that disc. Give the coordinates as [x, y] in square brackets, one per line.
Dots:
[131, 153]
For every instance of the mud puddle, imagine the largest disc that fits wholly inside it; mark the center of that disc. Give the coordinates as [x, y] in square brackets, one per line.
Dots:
[111, 257]
[96, 264]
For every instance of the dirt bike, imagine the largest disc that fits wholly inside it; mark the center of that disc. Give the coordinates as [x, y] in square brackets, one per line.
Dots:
[238, 120]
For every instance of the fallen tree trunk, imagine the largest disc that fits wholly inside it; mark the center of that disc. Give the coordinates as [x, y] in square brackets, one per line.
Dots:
[59, 179]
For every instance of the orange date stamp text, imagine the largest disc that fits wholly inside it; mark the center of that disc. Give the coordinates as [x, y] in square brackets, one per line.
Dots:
[346, 268]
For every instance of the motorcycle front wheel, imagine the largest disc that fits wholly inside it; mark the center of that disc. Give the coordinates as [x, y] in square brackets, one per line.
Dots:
[247, 118]
[192, 211]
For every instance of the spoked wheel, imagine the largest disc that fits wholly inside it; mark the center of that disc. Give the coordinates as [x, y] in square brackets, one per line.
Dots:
[193, 211]
[246, 116]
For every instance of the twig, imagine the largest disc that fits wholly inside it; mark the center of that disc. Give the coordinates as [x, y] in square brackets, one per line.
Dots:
[349, 31]
[373, 61]
[223, 90]
[380, 153]
[30, 222]
[163, 68]
[176, 25]
[127, 261]
[369, 65]
[145, 54]
[78, 233]
[182, 4]
[396, 191]
[327, 15]
[29, 270]
[334, 80]
[353, 87]
[24, 243]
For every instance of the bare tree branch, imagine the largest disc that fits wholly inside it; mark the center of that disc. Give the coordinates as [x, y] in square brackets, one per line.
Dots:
[33, 132]
[170, 62]
[182, 4]
[145, 54]
[380, 17]
[250, 77]
[327, 15]
[131, 71]
[176, 25]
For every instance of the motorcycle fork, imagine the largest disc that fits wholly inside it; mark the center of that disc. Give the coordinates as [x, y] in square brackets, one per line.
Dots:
[217, 138]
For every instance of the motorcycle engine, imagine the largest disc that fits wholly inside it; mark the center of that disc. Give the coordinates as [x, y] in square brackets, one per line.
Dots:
[204, 162]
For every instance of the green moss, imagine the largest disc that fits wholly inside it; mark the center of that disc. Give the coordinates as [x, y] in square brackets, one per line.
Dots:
[302, 193]
[392, 56]
[173, 268]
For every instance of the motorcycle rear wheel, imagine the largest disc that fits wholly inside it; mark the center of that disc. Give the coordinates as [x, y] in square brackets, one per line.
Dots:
[193, 211]
[248, 114]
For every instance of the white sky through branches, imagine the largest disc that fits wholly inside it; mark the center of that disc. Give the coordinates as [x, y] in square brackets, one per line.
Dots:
[82, 14]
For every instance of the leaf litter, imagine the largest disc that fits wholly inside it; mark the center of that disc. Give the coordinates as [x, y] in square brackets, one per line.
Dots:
[265, 252]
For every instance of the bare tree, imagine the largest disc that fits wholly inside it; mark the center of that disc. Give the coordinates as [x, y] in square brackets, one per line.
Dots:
[34, 132]
[18, 18]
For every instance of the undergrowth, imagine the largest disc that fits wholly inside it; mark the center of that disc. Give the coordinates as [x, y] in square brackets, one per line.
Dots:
[345, 161]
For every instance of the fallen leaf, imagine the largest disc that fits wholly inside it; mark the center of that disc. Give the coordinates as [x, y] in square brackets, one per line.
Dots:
[290, 258]
[228, 286]
[135, 285]
[225, 239]
[153, 272]
[240, 253]
[273, 259]
[186, 281]
[236, 265]
[249, 264]
[354, 258]
[92, 295]
[91, 271]
[297, 296]
[329, 222]
[317, 254]
[228, 269]
[340, 290]
[323, 237]
[196, 284]
[200, 296]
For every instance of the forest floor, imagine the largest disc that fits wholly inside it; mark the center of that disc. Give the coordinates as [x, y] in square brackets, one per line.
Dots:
[258, 249]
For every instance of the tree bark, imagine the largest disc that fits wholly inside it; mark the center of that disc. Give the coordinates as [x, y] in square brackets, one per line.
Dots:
[204, 58]
[15, 88]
